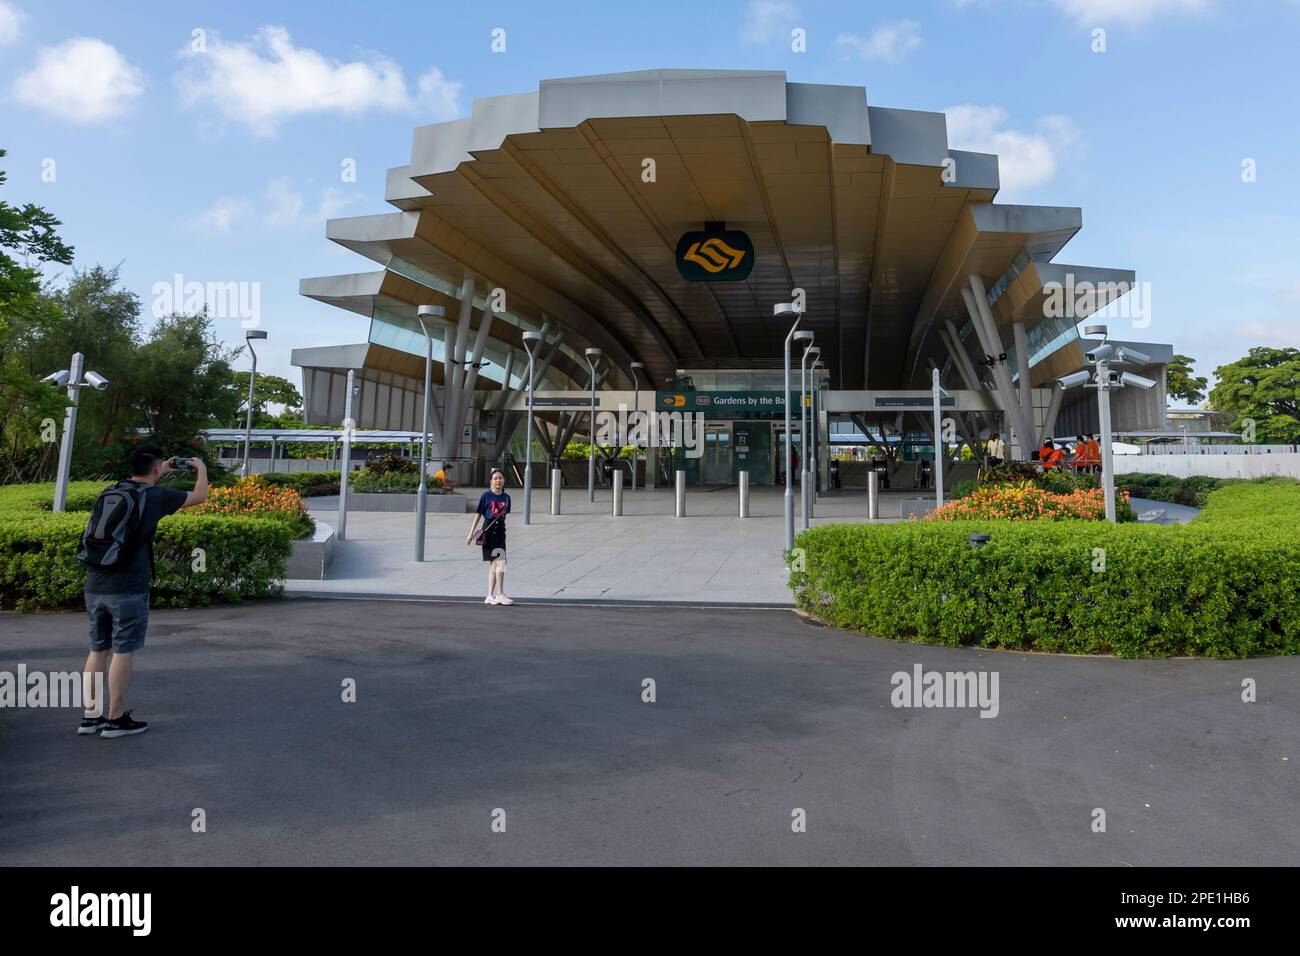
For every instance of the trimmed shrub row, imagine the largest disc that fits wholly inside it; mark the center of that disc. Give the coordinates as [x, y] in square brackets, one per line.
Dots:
[241, 558]
[308, 484]
[1221, 586]
[1193, 491]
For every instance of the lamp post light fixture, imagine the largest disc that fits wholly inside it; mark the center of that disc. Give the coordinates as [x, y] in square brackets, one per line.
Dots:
[426, 314]
[636, 411]
[593, 359]
[937, 394]
[1104, 380]
[785, 310]
[803, 424]
[249, 337]
[74, 381]
[531, 341]
[353, 389]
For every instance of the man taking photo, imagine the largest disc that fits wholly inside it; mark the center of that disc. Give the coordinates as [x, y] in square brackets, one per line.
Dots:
[117, 546]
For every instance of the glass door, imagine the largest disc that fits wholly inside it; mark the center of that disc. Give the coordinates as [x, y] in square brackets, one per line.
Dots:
[717, 454]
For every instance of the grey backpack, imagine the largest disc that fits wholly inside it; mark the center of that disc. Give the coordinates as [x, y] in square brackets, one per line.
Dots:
[113, 533]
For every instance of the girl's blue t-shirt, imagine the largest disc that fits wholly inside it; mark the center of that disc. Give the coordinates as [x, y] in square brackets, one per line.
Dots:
[494, 506]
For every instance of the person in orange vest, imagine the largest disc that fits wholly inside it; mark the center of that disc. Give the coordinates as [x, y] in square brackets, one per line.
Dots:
[1049, 455]
[1094, 451]
[1082, 455]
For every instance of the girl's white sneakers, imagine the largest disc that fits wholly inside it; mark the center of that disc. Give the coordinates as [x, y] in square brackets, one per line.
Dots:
[490, 599]
[502, 599]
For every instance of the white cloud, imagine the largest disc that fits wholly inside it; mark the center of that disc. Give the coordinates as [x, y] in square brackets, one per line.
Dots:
[266, 80]
[11, 21]
[1025, 159]
[332, 202]
[284, 203]
[888, 43]
[282, 206]
[768, 20]
[1268, 333]
[438, 95]
[1099, 13]
[221, 215]
[83, 79]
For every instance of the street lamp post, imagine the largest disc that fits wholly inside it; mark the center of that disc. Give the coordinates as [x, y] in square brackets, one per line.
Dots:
[348, 425]
[781, 311]
[936, 394]
[249, 336]
[593, 359]
[530, 344]
[803, 427]
[636, 410]
[425, 314]
[812, 417]
[74, 381]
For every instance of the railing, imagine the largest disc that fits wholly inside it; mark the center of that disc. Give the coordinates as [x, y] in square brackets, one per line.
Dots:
[1194, 449]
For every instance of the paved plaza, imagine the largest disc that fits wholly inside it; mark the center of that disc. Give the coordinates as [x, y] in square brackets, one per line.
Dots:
[584, 554]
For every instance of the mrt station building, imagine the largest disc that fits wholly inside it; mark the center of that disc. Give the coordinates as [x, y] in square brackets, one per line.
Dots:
[660, 216]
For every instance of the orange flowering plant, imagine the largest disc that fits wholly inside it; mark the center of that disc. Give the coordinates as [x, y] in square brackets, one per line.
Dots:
[254, 497]
[1025, 502]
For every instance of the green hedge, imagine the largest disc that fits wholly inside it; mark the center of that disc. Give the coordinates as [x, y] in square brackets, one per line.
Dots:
[1193, 491]
[244, 557]
[308, 484]
[1222, 586]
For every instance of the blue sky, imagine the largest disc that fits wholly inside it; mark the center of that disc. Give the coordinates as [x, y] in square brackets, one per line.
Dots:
[222, 165]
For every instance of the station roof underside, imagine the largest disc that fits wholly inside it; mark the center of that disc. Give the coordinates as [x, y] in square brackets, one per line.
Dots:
[867, 209]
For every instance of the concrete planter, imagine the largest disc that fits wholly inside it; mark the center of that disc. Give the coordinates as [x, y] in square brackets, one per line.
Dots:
[452, 503]
[311, 557]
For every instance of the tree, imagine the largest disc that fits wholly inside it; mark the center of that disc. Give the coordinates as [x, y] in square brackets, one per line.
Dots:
[1264, 387]
[1181, 383]
[184, 381]
[25, 402]
[267, 390]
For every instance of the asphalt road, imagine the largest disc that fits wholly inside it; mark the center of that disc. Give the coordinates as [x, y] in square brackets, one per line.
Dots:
[462, 710]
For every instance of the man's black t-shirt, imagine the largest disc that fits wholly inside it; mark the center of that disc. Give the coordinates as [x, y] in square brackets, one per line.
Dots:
[134, 577]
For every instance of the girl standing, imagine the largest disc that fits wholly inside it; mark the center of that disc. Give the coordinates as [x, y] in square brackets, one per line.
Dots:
[493, 506]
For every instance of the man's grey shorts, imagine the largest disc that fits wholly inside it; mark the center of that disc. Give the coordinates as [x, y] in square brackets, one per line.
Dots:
[118, 620]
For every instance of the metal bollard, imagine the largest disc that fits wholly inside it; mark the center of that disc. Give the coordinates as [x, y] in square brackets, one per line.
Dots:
[803, 492]
[618, 494]
[744, 494]
[557, 485]
[680, 507]
[873, 496]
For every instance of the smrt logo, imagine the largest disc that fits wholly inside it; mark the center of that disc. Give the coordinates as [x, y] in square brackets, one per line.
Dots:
[715, 256]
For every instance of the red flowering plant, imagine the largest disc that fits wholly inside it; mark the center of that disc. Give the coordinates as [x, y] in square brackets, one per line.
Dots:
[254, 497]
[1026, 502]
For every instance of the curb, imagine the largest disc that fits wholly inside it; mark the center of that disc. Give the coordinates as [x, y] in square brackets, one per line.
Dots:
[553, 601]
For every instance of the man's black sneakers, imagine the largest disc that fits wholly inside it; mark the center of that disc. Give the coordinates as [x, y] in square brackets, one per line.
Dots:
[124, 726]
[91, 725]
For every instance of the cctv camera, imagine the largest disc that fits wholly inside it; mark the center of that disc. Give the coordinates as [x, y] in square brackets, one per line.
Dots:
[1100, 353]
[96, 381]
[1129, 354]
[1073, 380]
[59, 378]
[1129, 378]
